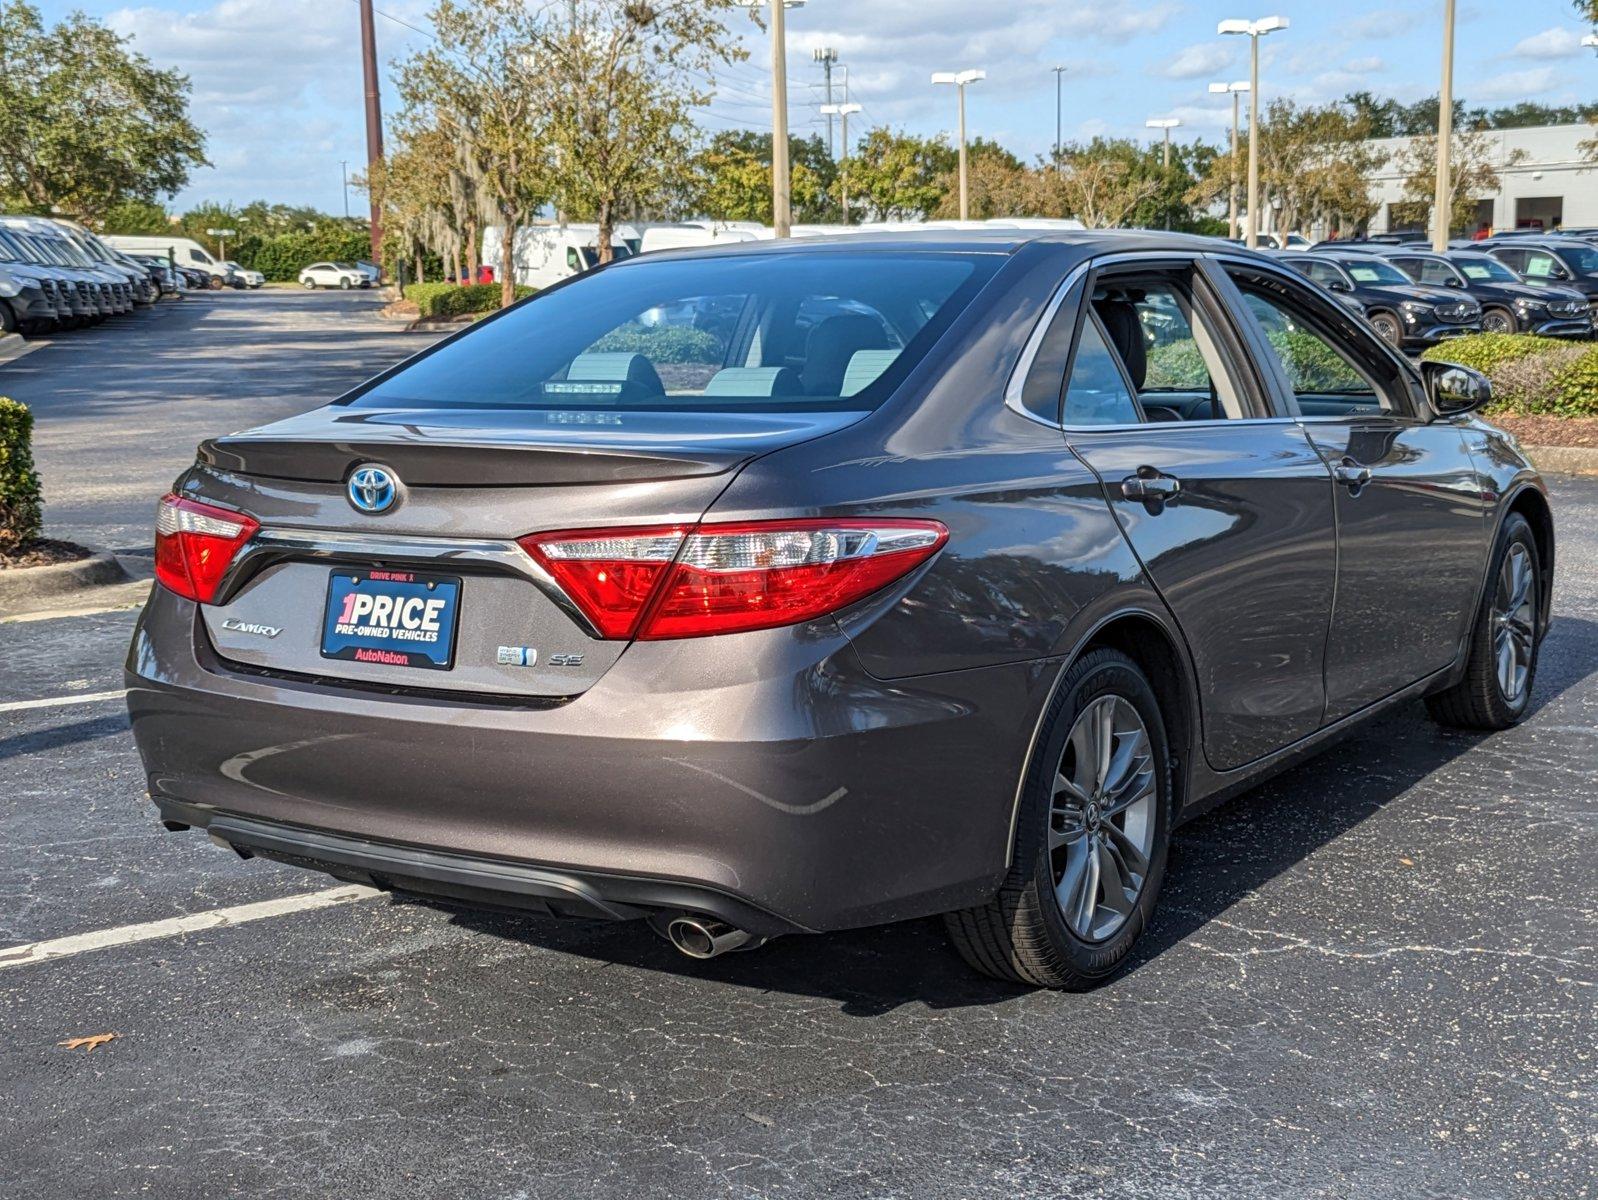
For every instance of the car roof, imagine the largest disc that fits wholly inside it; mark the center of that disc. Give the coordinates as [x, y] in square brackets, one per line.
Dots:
[979, 241]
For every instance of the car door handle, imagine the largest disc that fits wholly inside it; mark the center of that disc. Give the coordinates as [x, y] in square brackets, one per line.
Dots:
[1151, 487]
[1352, 475]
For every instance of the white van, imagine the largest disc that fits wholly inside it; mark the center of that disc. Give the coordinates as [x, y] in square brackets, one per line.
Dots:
[696, 233]
[546, 254]
[188, 252]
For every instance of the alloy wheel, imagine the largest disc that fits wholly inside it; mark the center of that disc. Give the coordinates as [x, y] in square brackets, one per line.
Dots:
[1387, 327]
[1102, 818]
[1496, 320]
[1514, 621]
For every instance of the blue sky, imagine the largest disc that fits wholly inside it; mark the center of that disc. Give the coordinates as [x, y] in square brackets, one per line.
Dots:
[277, 83]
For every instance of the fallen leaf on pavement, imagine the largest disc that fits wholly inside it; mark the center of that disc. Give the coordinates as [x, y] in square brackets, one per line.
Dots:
[88, 1043]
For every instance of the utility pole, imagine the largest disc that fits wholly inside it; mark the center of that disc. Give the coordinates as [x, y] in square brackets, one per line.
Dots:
[843, 111]
[1236, 89]
[960, 79]
[374, 121]
[826, 56]
[1254, 30]
[344, 174]
[1058, 116]
[1442, 203]
[781, 184]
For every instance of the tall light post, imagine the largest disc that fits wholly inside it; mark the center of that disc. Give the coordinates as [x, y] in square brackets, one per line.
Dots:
[826, 56]
[781, 183]
[1058, 116]
[1167, 124]
[960, 79]
[344, 173]
[1254, 30]
[842, 112]
[1236, 89]
[1442, 202]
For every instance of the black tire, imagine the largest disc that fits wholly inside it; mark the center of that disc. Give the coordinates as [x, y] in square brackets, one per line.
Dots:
[1022, 935]
[1478, 700]
[1388, 327]
[8, 319]
[308, 284]
[215, 283]
[1498, 320]
[344, 285]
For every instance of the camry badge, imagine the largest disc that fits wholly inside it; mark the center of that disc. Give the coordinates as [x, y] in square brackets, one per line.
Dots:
[234, 625]
[373, 489]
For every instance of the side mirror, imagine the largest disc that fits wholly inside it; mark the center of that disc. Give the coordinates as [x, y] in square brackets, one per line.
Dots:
[1337, 285]
[1453, 389]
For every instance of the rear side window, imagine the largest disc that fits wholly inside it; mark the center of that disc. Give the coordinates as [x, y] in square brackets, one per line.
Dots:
[1097, 393]
[820, 329]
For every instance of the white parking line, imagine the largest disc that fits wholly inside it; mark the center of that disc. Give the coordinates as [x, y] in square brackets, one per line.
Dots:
[125, 935]
[58, 701]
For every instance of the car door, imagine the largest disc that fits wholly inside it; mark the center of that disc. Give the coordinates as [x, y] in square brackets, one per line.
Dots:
[1411, 520]
[1226, 504]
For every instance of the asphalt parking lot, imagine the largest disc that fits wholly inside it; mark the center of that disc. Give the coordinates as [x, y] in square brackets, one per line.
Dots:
[1374, 977]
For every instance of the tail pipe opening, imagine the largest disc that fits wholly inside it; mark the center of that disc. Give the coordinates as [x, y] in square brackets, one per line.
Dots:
[703, 937]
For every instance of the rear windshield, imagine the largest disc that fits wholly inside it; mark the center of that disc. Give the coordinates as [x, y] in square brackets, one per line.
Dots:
[779, 332]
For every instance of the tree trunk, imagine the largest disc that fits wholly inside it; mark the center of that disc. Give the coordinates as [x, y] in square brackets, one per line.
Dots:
[507, 265]
[420, 278]
[607, 226]
[471, 249]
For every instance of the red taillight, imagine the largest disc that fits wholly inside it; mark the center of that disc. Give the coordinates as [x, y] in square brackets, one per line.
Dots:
[194, 543]
[673, 582]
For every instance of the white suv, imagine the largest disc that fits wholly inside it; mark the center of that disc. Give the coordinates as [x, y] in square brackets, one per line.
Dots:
[331, 275]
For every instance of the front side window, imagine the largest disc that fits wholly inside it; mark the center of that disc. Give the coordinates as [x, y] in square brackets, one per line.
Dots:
[758, 331]
[1439, 273]
[1324, 274]
[1325, 375]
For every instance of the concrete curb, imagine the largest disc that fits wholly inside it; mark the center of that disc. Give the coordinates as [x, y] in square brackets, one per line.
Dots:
[24, 585]
[1564, 460]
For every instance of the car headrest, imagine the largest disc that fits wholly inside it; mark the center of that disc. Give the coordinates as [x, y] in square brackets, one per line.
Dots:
[755, 381]
[615, 367]
[864, 368]
[832, 343]
[1126, 334]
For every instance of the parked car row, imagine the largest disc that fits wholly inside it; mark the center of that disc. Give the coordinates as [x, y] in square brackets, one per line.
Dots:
[1415, 297]
[188, 257]
[56, 275]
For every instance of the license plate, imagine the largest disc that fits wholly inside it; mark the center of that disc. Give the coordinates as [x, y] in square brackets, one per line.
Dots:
[392, 618]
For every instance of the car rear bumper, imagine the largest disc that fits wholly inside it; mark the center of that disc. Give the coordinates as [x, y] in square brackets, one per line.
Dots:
[780, 788]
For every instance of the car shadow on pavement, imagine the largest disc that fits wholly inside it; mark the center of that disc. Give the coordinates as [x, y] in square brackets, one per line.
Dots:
[1217, 859]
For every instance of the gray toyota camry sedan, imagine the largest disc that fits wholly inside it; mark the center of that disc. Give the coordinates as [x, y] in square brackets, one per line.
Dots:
[794, 587]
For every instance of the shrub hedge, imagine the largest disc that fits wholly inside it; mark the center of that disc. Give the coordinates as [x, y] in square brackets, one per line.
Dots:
[456, 300]
[20, 500]
[663, 344]
[1531, 375]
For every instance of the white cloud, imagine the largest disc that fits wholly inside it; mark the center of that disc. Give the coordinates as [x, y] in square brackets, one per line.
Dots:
[1550, 43]
[1212, 58]
[276, 88]
[1516, 85]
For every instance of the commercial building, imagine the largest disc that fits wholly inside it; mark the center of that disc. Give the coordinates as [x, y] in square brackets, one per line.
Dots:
[1552, 183]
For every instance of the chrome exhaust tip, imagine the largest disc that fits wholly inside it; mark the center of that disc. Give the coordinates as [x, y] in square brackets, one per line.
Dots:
[702, 937]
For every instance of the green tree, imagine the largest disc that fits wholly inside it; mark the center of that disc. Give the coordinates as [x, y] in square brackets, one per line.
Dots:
[136, 216]
[731, 178]
[486, 82]
[897, 176]
[623, 78]
[85, 122]
[1473, 171]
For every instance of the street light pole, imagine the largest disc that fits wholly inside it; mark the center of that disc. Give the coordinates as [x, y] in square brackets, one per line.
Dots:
[842, 111]
[344, 174]
[1167, 124]
[1058, 127]
[1442, 202]
[960, 79]
[1236, 89]
[1254, 30]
